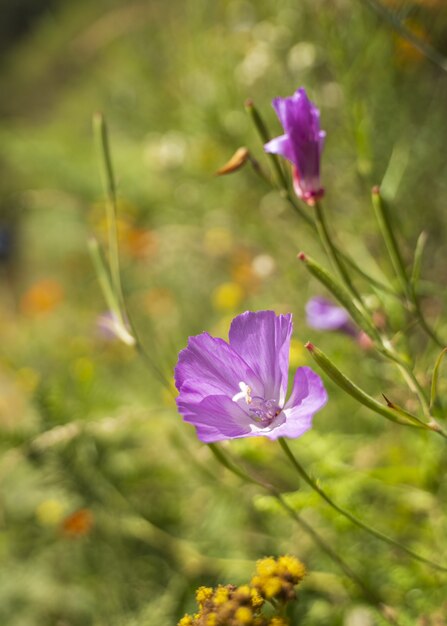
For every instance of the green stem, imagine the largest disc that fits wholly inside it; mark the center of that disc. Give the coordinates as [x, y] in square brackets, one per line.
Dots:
[355, 520]
[422, 321]
[341, 293]
[369, 279]
[113, 289]
[362, 318]
[415, 386]
[407, 286]
[423, 46]
[435, 378]
[368, 593]
[264, 135]
[334, 256]
[101, 136]
[361, 396]
[383, 219]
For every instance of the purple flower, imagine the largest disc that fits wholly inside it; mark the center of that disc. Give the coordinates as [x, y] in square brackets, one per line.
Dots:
[323, 314]
[302, 143]
[238, 389]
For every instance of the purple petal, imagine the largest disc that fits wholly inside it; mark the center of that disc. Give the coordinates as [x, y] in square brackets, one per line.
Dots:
[216, 418]
[308, 396]
[280, 145]
[323, 314]
[262, 339]
[300, 119]
[308, 393]
[208, 366]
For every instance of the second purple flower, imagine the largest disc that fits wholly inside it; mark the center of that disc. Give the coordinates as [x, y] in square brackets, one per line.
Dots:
[302, 143]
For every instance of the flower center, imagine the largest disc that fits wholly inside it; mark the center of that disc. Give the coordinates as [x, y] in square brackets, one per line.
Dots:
[261, 410]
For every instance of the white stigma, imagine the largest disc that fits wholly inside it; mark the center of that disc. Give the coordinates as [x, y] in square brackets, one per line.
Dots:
[244, 394]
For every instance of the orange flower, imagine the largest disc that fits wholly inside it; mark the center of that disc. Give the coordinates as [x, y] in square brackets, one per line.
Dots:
[78, 523]
[42, 297]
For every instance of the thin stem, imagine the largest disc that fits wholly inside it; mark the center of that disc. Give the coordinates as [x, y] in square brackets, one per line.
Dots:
[389, 238]
[100, 131]
[423, 322]
[355, 520]
[370, 279]
[415, 386]
[333, 254]
[264, 135]
[425, 48]
[407, 285]
[370, 594]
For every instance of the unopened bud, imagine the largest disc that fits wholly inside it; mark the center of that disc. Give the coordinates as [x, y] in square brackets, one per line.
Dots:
[238, 160]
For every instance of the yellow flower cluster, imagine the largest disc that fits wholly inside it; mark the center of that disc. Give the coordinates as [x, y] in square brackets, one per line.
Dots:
[277, 578]
[229, 605]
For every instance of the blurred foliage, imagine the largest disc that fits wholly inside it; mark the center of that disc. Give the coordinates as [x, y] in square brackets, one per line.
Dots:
[111, 512]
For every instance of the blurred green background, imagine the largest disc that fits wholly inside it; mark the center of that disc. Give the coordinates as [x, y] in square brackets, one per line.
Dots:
[111, 511]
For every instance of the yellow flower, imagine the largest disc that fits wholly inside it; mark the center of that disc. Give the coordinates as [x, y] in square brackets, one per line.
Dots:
[298, 353]
[185, 621]
[211, 620]
[220, 596]
[50, 512]
[218, 241]
[256, 599]
[244, 615]
[266, 567]
[291, 567]
[227, 297]
[272, 587]
[203, 594]
[278, 621]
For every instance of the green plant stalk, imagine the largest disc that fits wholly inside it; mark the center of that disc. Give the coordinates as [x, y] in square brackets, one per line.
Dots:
[370, 279]
[355, 520]
[383, 220]
[104, 278]
[333, 255]
[361, 396]
[408, 286]
[368, 593]
[417, 260]
[414, 385]
[425, 48]
[120, 324]
[365, 323]
[341, 294]
[435, 378]
[264, 135]
[413, 283]
[108, 180]
[112, 289]
[422, 321]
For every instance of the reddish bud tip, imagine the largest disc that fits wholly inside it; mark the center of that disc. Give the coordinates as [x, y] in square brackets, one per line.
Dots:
[249, 104]
[376, 190]
[301, 256]
[309, 346]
